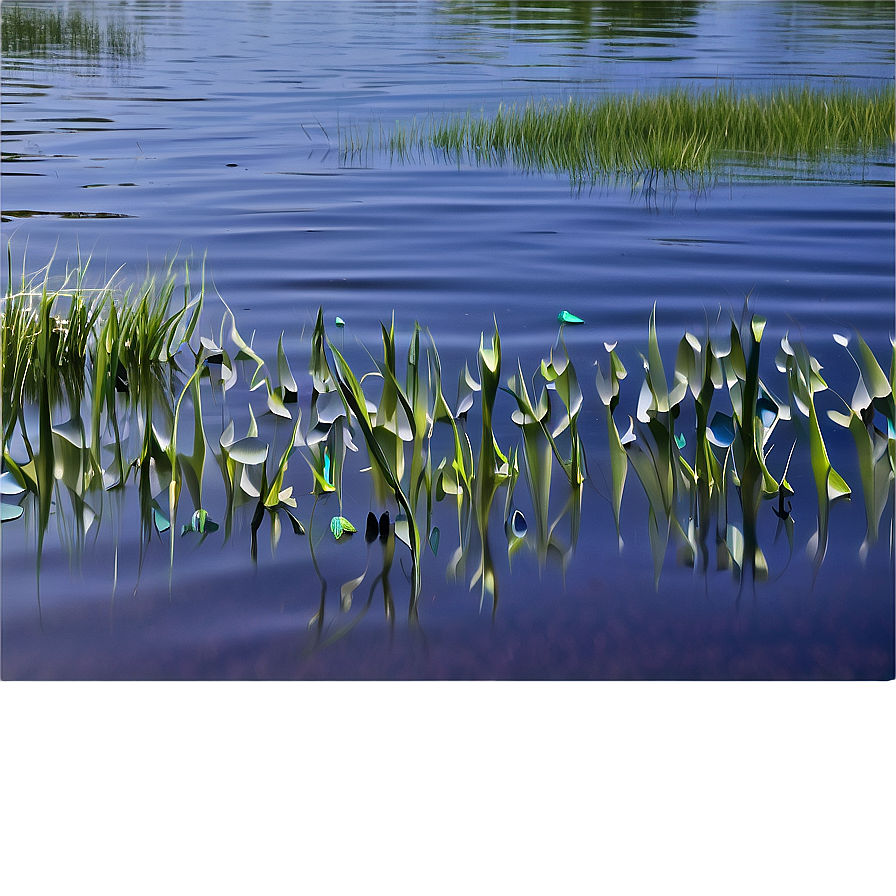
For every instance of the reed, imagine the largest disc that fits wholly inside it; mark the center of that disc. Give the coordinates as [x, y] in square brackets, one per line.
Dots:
[102, 387]
[38, 31]
[674, 132]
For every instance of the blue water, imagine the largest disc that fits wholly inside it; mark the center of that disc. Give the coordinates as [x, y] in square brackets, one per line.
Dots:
[222, 140]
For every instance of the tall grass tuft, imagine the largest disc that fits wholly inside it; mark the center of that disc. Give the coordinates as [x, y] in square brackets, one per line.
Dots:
[675, 132]
[37, 31]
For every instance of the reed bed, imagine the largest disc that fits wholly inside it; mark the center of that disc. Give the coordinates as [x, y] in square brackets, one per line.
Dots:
[675, 132]
[104, 390]
[43, 30]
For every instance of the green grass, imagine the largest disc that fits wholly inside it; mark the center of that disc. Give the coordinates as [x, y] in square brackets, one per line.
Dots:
[39, 31]
[674, 132]
[103, 389]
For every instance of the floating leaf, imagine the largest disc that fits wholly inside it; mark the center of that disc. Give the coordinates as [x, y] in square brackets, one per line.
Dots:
[766, 410]
[160, 520]
[566, 318]
[340, 526]
[276, 406]
[9, 485]
[284, 374]
[721, 430]
[251, 450]
[10, 512]
[72, 431]
[200, 522]
[340, 322]
[402, 529]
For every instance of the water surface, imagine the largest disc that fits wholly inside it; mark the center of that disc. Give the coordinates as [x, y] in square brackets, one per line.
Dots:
[221, 138]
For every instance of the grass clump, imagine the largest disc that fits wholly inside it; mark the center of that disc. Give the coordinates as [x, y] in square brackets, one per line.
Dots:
[38, 31]
[677, 131]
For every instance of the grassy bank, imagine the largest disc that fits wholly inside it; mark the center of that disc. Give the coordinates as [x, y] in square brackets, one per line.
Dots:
[673, 132]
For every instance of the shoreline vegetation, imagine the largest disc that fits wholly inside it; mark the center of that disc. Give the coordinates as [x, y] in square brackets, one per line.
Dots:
[54, 27]
[104, 390]
[677, 132]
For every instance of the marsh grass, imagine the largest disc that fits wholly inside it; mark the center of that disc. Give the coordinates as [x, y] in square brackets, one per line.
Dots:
[82, 366]
[104, 388]
[677, 132]
[46, 29]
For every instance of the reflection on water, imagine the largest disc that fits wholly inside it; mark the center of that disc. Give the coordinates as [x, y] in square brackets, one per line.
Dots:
[106, 398]
[584, 21]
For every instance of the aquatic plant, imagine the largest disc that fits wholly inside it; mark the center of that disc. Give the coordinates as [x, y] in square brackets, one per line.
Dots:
[40, 30]
[104, 387]
[676, 132]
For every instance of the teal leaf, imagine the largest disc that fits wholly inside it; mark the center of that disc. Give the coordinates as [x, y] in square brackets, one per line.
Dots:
[721, 430]
[340, 322]
[434, 540]
[10, 512]
[161, 521]
[766, 410]
[680, 440]
[340, 526]
[566, 318]
[200, 522]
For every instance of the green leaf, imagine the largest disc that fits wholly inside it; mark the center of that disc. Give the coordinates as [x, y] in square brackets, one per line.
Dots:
[566, 318]
[434, 540]
[200, 522]
[875, 379]
[284, 374]
[340, 526]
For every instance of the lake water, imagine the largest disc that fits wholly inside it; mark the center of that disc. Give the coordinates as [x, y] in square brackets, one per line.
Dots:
[221, 138]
